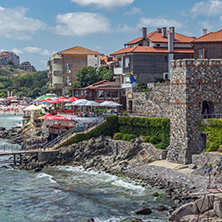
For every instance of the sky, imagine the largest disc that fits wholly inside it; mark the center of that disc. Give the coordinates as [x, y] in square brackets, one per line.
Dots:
[36, 29]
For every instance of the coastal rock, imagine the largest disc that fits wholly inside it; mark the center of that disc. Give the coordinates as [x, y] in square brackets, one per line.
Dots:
[143, 211]
[187, 209]
[218, 208]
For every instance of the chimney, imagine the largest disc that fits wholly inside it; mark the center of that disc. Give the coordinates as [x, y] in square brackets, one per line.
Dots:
[172, 30]
[170, 41]
[204, 31]
[159, 30]
[144, 32]
[164, 32]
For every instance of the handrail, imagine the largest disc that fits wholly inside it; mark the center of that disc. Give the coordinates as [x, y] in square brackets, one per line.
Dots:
[78, 128]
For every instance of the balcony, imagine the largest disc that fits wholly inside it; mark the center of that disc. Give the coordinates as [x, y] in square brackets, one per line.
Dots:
[57, 73]
[118, 71]
[126, 85]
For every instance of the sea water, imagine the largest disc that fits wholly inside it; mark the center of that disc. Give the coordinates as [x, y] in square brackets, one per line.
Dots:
[66, 193]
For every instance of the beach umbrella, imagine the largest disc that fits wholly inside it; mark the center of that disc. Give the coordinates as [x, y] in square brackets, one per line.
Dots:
[92, 103]
[72, 99]
[47, 116]
[32, 108]
[80, 102]
[43, 97]
[110, 104]
[46, 100]
[59, 100]
[58, 117]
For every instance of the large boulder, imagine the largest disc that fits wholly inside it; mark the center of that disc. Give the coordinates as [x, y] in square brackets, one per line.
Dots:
[143, 211]
[186, 209]
[131, 219]
[205, 203]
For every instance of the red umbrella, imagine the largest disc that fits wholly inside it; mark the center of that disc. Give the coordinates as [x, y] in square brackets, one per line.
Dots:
[58, 117]
[59, 99]
[72, 99]
[47, 116]
[46, 100]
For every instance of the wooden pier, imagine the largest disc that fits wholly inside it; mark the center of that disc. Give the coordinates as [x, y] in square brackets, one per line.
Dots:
[23, 152]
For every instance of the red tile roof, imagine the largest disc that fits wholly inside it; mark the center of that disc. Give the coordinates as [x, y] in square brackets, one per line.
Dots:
[103, 83]
[157, 37]
[151, 49]
[78, 50]
[210, 37]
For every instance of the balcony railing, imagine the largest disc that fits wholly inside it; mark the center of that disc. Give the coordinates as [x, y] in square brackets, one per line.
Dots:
[118, 70]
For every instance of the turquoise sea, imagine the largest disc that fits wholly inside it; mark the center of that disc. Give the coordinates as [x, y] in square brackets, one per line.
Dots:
[66, 194]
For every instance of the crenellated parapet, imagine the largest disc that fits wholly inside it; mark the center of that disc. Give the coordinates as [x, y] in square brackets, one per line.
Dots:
[195, 62]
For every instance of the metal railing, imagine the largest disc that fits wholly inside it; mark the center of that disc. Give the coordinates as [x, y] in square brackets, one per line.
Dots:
[9, 147]
[81, 127]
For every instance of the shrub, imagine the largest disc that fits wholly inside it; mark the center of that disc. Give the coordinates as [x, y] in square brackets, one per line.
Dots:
[125, 137]
[147, 139]
[154, 139]
[117, 136]
[213, 147]
[161, 146]
[131, 137]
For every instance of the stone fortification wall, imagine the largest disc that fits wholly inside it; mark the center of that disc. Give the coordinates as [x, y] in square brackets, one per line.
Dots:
[154, 102]
[193, 83]
[207, 157]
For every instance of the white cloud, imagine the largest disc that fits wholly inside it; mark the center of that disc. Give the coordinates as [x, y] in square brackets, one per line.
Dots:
[134, 11]
[123, 28]
[158, 22]
[81, 23]
[36, 50]
[104, 3]
[209, 8]
[14, 24]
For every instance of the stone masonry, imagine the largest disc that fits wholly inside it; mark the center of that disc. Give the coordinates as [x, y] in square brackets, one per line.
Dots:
[154, 103]
[193, 84]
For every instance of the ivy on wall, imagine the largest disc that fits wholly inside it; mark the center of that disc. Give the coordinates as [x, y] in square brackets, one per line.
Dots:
[213, 130]
[147, 127]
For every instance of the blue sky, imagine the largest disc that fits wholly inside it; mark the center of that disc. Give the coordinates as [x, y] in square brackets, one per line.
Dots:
[35, 29]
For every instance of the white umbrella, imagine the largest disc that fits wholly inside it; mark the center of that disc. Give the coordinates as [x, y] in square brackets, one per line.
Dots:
[92, 103]
[110, 104]
[81, 102]
[32, 108]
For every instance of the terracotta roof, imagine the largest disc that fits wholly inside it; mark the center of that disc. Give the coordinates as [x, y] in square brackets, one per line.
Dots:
[78, 50]
[210, 37]
[103, 83]
[157, 37]
[151, 49]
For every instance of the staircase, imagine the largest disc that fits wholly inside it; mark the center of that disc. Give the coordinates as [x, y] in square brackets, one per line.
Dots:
[66, 136]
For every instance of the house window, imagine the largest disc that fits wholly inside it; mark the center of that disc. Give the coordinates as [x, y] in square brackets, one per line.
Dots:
[127, 62]
[200, 54]
[68, 68]
[158, 45]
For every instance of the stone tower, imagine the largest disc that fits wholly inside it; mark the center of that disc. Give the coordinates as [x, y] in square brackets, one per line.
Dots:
[195, 89]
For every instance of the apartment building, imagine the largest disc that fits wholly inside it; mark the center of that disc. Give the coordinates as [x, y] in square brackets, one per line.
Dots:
[64, 65]
[28, 67]
[9, 56]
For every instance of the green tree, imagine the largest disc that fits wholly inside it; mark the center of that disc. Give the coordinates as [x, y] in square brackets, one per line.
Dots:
[89, 75]
[105, 74]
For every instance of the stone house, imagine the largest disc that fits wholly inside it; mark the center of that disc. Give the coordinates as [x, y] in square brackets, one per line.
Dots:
[147, 58]
[64, 65]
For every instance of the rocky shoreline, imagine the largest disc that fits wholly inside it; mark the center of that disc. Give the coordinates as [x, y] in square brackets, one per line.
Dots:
[131, 162]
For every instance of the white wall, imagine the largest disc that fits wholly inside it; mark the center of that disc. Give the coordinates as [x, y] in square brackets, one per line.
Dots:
[93, 60]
